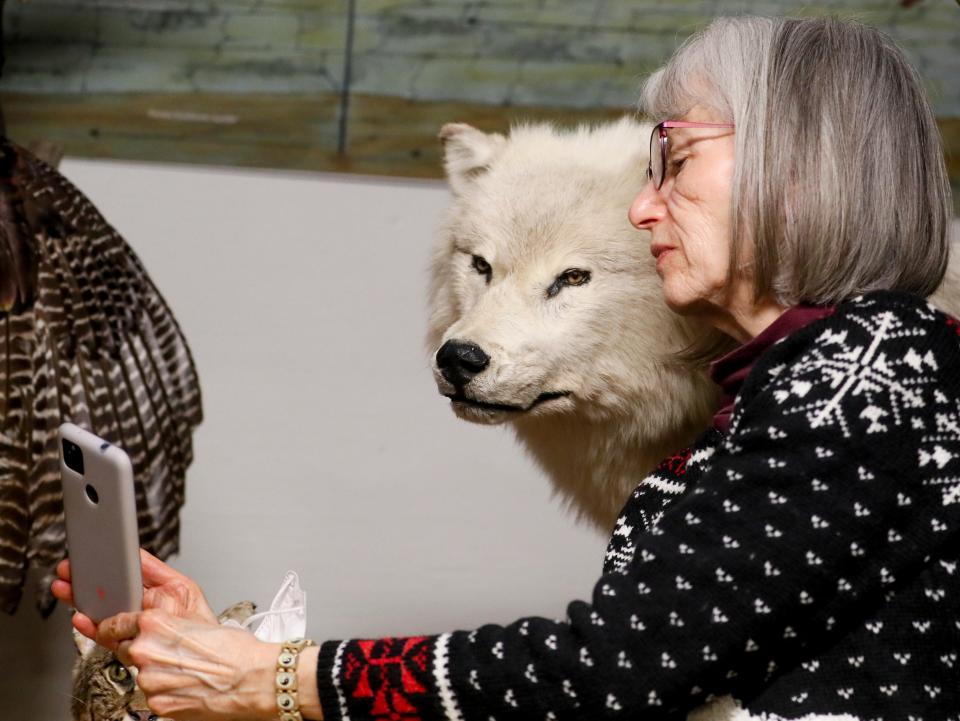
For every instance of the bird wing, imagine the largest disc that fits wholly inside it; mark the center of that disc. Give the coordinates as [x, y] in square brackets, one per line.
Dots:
[86, 337]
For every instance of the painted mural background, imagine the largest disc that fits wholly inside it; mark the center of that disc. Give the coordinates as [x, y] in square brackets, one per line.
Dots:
[364, 85]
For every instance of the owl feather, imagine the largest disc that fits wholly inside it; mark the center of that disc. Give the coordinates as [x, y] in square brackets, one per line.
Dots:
[85, 337]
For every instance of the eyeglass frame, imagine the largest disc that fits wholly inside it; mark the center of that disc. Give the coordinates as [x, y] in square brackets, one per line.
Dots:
[660, 132]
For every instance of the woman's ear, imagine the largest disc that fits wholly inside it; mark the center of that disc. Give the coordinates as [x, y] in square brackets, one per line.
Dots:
[467, 152]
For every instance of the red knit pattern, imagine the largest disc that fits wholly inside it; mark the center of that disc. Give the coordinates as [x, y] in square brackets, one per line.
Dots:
[677, 463]
[390, 674]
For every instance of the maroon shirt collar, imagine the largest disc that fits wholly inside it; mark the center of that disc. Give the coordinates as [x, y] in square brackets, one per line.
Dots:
[730, 370]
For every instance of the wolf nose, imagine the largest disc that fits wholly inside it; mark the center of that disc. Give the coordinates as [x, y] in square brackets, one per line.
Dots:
[460, 361]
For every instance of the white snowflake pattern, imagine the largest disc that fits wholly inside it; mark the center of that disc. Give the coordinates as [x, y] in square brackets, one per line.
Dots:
[859, 367]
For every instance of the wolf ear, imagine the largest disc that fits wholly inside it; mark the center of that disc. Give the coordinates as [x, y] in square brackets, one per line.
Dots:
[467, 152]
[84, 645]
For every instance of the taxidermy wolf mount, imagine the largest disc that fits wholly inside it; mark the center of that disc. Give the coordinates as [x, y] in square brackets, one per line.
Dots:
[546, 310]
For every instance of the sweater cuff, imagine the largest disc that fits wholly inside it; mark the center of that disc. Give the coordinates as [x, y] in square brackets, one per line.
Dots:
[384, 679]
[326, 669]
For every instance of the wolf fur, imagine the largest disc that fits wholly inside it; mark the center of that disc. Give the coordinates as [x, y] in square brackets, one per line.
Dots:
[534, 205]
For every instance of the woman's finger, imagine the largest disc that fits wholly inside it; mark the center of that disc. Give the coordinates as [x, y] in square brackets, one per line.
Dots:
[175, 598]
[178, 598]
[63, 569]
[85, 625]
[62, 591]
[122, 652]
[113, 630]
[156, 572]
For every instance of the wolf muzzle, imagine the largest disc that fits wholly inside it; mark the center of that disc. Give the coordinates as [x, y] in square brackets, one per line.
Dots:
[459, 361]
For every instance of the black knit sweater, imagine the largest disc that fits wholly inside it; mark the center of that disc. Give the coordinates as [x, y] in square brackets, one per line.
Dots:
[805, 563]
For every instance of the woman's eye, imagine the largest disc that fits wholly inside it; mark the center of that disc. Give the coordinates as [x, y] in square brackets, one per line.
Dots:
[675, 164]
[482, 266]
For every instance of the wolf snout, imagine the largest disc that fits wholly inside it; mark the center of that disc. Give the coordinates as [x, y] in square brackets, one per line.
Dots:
[459, 361]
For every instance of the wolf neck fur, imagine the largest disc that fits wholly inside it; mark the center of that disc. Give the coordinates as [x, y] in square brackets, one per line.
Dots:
[594, 463]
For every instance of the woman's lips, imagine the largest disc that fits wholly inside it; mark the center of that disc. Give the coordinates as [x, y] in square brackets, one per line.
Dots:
[658, 249]
[660, 252]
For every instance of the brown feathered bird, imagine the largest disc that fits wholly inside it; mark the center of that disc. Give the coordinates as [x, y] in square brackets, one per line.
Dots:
[84, 337]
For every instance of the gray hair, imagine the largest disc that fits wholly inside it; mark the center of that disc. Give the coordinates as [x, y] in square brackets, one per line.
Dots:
[840, 185]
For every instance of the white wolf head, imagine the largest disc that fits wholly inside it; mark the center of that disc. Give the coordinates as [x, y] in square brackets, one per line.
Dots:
[546, 309]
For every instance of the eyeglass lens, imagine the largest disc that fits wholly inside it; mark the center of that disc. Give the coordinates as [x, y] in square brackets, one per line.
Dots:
[658, 149]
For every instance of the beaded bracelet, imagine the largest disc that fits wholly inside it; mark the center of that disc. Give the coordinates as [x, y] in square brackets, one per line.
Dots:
[286, 681]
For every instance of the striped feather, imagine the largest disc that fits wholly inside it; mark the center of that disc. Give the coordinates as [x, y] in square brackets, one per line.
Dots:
[85, 337]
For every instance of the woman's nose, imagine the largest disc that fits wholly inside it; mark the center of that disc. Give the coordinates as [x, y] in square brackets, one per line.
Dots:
[647, 209]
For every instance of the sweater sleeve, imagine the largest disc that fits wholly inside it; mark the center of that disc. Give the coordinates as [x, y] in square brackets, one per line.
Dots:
[838, 482]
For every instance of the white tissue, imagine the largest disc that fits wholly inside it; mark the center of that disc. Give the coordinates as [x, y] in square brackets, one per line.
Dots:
[285, 619]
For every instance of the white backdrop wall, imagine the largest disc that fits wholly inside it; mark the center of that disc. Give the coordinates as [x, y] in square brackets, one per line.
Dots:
[325, 448]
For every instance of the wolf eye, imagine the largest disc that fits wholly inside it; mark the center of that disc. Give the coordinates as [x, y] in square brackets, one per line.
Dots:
[572, 276]
[575, 276]
[118, 673]
[482, 266]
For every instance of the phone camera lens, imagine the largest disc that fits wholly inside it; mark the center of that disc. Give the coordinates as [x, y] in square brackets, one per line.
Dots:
[72, 456]
[92, 494]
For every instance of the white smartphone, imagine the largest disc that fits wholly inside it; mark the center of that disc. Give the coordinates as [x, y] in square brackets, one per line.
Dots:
[100, 509]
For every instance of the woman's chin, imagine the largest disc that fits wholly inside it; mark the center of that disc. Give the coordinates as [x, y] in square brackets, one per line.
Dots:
[683, 299]
[681, 303]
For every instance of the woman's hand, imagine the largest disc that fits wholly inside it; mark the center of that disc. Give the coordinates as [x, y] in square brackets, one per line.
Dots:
[194, 668]
[190, 667]
[163, 589]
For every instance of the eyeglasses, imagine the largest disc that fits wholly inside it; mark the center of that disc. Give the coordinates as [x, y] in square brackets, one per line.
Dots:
[657, 169]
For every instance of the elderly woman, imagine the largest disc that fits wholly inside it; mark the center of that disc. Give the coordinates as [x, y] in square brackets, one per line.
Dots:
[802, 556]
